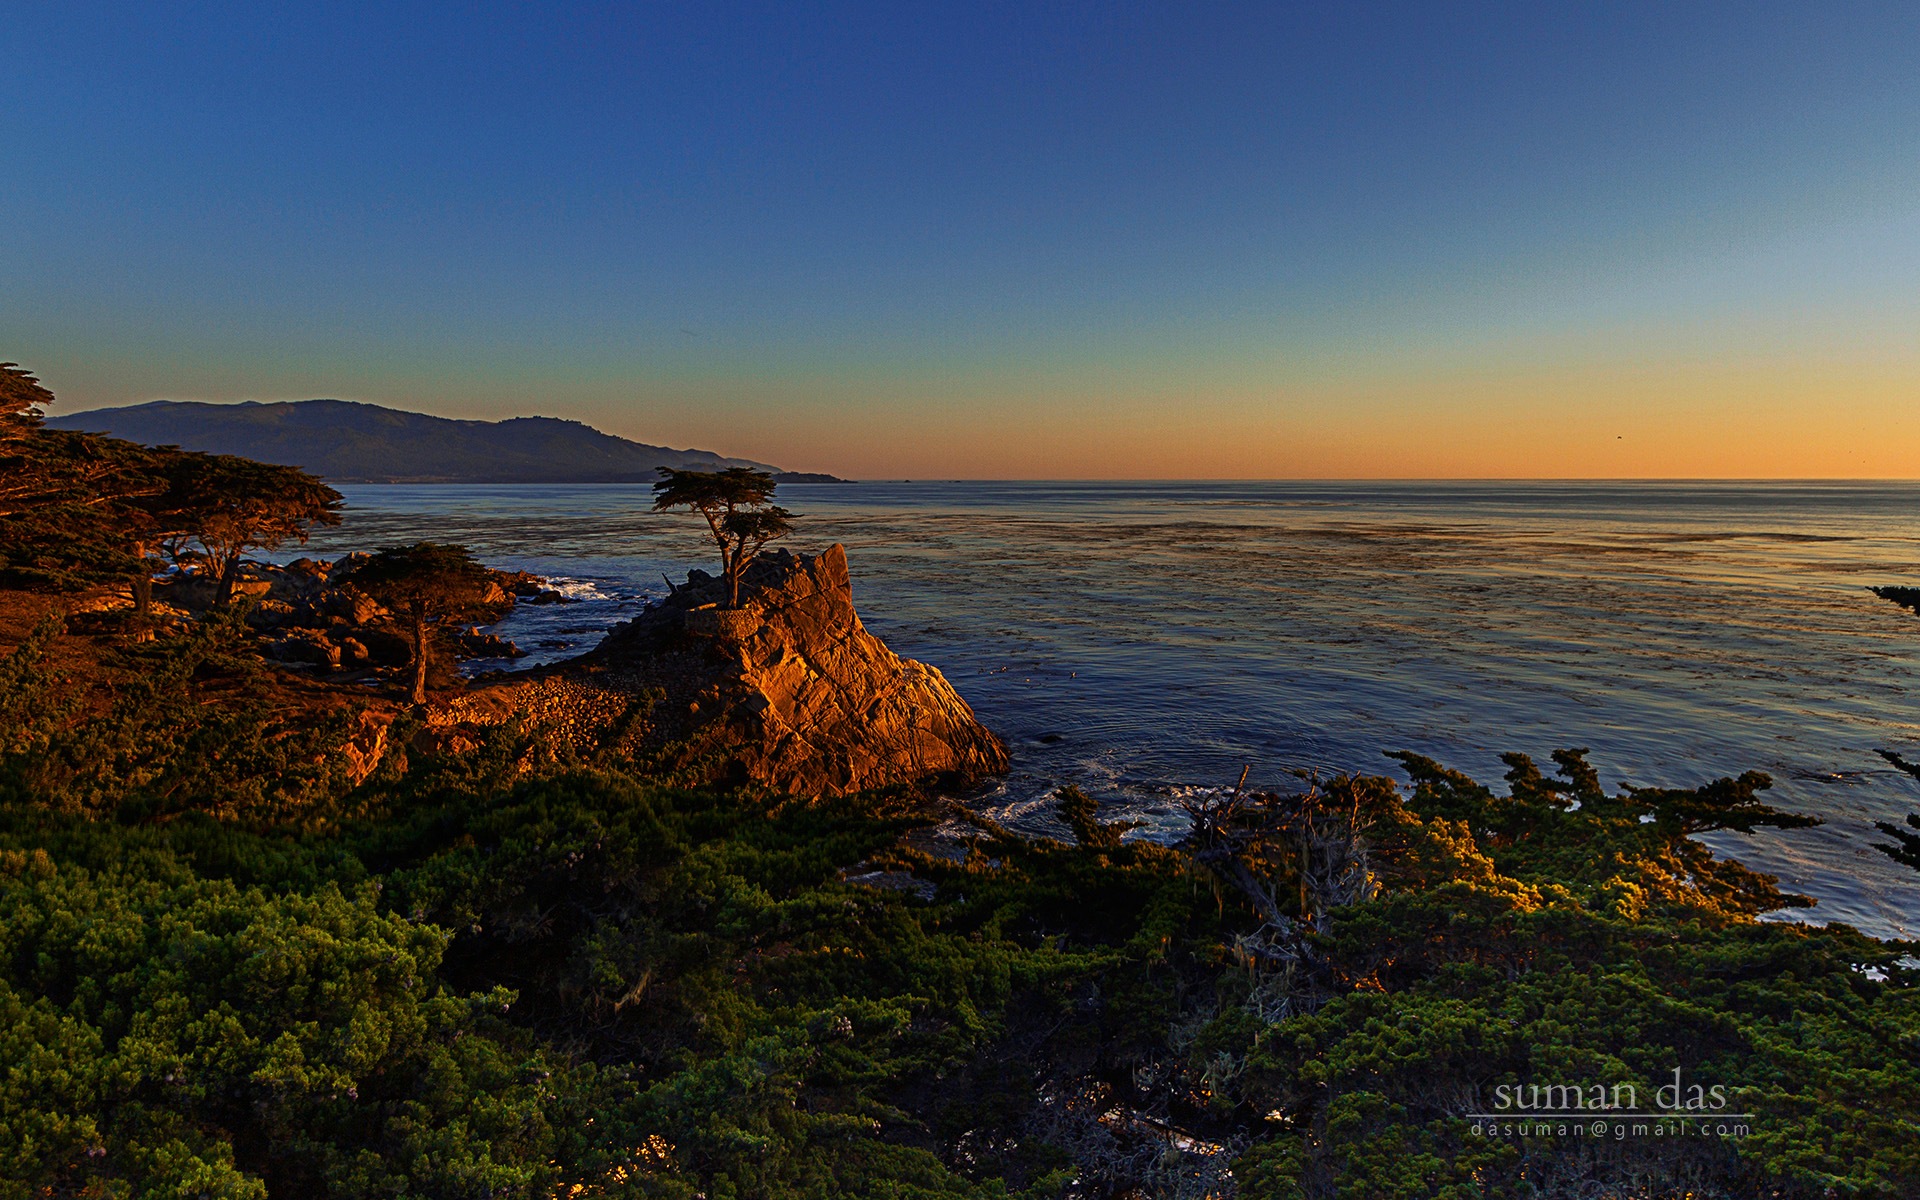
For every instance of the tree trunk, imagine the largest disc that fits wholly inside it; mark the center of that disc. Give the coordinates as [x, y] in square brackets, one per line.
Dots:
[229, 571]
[142, 587]
[714, 522]
[741, 561]
[419, 659]
[730, 571]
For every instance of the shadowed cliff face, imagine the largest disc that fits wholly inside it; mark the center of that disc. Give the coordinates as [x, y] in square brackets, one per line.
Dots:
[789, 690]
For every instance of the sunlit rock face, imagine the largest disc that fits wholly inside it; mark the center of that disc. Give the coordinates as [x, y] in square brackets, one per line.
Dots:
[789, 690]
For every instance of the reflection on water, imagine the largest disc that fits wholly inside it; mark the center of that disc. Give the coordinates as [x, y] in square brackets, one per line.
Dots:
[1146, 639]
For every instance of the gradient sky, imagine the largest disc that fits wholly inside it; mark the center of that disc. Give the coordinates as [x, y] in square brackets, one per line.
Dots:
[979, 240]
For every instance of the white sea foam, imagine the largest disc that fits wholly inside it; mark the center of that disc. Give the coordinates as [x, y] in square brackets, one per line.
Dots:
[578, 589]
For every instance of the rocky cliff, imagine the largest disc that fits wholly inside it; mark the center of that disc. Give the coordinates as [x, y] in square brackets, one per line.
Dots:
[789, 690]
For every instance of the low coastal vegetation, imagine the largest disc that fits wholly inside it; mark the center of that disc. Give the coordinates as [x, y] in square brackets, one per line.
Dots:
[235, 961]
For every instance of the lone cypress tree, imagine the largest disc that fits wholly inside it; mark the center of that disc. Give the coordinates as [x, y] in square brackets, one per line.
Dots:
[738, 506]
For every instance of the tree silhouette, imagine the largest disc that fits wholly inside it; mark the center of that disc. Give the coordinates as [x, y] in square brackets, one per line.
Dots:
[21, 395]
[41, 467]
[73, 506]
[427, 585]
[737, 504]
[228, 505]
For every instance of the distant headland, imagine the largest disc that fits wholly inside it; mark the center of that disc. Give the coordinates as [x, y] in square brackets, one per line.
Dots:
[344, 441]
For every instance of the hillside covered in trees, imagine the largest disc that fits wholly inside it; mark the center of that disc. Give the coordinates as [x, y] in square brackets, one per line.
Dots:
[347, 442]
[233, 964]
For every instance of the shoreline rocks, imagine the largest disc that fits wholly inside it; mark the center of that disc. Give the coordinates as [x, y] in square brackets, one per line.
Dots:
[306, 620]
[789, 690]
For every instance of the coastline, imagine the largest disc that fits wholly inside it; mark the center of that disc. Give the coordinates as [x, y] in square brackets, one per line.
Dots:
[1142, 679]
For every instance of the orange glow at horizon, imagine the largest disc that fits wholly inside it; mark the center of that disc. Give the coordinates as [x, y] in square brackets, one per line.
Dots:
[1683, 421]
[1551, 413]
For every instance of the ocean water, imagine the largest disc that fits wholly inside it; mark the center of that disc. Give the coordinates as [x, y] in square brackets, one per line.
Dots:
[1144, 640]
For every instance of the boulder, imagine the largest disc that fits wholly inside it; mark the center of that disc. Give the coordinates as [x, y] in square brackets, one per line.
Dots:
[304, 646]
[476, 643]
[520, 583]
[351, 606]
[367, 745]
[285, 585]
[788, 690]
[192, 593]
[272, 614]
[278, 591]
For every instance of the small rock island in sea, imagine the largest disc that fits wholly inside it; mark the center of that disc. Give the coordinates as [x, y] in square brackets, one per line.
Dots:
[787, 690]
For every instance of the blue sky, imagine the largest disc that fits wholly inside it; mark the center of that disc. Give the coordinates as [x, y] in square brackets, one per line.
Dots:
[1068, 240]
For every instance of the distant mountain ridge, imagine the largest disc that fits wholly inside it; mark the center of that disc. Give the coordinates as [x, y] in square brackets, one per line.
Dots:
[345, 441]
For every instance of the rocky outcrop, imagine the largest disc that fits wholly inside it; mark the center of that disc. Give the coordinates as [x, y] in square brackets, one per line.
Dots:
[366, 746]
[788, 690]
[308, 616]
[1905, 597]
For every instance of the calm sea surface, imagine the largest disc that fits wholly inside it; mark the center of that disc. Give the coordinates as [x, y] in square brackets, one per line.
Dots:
[1145, 640]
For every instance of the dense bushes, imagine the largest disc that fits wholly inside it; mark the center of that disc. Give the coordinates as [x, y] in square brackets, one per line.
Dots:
[1596, 948]
[187, 1036]
[195, 723]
